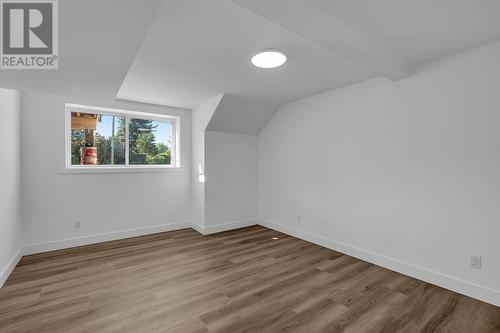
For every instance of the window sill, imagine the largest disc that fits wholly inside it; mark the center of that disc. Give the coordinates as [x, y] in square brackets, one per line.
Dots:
[117, 169]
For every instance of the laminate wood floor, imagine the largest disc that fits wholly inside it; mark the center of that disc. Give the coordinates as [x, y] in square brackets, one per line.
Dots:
[247, 280]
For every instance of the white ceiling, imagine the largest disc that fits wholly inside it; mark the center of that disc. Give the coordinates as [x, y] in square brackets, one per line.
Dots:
[98, 40]
[197, 49]
[183, 52]
[240, 115]
[417, 31]
[307, 19]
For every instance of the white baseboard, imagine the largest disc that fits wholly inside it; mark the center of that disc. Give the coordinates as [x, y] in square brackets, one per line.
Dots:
[198, 227]
[116, 235]
[467, 288]
[5, 273]
[212, 229]
[104, 237]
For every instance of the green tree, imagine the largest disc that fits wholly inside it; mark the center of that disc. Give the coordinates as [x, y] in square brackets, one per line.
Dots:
[136, 127]
[142, 140]
[162, 148]
[120, 132]
[77, 142]
[103, 146]
[162, 156]
[145, 144]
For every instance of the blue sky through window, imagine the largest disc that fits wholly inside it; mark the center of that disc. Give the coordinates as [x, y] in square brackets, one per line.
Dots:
[163, 132]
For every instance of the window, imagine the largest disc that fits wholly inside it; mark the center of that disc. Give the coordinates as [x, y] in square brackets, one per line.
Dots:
[98, 138]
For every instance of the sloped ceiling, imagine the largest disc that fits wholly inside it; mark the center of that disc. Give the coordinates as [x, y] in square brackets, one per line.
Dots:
[98, 40]
[309, 20]
[240, 115]
[184, 52]
[197, 49]
[389, 36]
[419, 31]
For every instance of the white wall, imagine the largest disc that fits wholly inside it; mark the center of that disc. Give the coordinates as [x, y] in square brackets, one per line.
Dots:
[228, 162]
[405, 174]
[10, 222]
[112, 205]
[200, 118]
[231, 180]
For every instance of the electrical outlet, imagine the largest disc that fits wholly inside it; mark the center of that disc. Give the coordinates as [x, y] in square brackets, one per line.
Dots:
[299, 218]
[78, 224]
[475, 262]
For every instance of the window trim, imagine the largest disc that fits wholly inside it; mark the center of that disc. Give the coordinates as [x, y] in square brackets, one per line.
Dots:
[175, 149]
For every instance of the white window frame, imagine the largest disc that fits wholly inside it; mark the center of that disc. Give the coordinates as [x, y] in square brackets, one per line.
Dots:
[175, 149]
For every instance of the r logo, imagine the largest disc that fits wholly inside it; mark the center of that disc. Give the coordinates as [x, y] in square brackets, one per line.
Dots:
[29, 34]
[27, 28]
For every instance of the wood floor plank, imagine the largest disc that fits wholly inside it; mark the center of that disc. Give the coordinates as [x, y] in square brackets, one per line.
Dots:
[248, 280]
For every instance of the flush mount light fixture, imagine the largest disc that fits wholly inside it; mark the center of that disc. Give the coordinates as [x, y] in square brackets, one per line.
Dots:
[268, 58]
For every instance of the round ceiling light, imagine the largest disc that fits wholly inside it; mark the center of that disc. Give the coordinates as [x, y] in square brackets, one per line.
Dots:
[268, 59]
